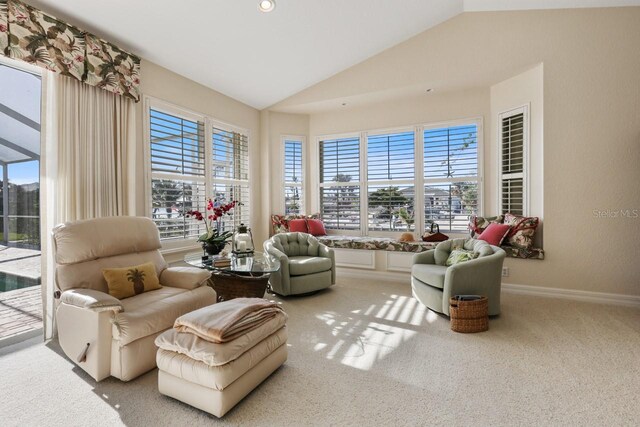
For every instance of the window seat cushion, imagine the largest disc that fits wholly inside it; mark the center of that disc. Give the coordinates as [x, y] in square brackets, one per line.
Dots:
[388, 244]
[374, 243]
[530, 253]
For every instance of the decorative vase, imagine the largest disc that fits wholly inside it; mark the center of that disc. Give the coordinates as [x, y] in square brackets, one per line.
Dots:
[213, 248]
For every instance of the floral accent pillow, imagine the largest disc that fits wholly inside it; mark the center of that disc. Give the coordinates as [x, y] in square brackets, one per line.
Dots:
[478, 224]
[523, 230]
[460, 255]
[279, 224]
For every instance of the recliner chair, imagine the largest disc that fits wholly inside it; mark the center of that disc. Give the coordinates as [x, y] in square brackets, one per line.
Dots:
[306, 265]
[433, 283]
[101, 334]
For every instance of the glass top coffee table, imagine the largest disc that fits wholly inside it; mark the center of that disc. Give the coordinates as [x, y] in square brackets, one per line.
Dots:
[245, 276]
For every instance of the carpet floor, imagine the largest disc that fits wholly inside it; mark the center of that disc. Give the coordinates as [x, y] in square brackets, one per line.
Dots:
[368, 354]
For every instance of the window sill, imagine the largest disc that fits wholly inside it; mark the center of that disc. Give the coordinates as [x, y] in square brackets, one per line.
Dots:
[176, 253]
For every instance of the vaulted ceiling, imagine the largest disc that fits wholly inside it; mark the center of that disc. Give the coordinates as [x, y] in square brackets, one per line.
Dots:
[261, 58]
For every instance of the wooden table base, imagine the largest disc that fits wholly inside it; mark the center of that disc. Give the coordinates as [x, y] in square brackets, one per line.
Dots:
[230, 286]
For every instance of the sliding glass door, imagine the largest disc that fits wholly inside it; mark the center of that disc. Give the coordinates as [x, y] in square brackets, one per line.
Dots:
[20, 264]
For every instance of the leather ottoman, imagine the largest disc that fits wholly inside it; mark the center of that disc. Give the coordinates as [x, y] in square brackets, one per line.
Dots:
[215, 377]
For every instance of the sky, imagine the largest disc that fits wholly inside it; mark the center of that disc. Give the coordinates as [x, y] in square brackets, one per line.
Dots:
[24, 173]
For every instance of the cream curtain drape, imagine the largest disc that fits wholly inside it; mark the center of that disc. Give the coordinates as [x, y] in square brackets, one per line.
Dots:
[95, 129]
[87, 164]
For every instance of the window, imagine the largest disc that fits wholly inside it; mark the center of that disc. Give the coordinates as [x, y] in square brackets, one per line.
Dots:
[390, 181]
[186, 171]
[340, 183]
[450, 176]
[177, 173]
[440, 162]
[230, 168]
[293, 176]
[513, 157]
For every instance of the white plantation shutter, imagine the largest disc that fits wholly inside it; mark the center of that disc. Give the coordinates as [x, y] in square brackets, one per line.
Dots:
[390, 181]
[178, 178]
[513, 140]
[293, 177]
[230, 170]
[186, 170]
[450, 176]
[340, 183]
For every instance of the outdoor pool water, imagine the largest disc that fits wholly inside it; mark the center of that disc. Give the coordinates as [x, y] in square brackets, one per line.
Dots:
[10, 282]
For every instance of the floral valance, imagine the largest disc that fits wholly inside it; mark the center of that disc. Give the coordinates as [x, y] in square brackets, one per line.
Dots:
[31, 35]
[4, 26]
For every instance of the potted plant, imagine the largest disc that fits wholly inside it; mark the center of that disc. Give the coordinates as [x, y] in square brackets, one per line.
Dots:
[407, 217]
[214, 239]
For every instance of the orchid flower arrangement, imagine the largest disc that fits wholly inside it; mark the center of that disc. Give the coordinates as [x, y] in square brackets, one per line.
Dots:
[216, 211]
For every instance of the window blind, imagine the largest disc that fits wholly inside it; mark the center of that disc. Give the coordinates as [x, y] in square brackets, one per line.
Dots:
[390, 176]
[450, 176]
[390, 157]
[340, 183]
[230, 155]
[512, 148]
[177, 173]
[293, 177]
[230, 170]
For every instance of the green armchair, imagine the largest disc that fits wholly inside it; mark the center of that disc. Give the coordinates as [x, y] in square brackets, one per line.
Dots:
[433, 283]
[306, 265]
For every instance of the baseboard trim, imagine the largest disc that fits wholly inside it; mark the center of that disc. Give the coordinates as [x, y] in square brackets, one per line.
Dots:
[573, 294]
[539, 291]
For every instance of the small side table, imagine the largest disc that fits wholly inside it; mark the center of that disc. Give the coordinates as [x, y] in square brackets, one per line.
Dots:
[245, 277]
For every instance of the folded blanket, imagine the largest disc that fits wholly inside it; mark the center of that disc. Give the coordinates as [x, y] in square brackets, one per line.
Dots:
[220, 354]
[228, 320]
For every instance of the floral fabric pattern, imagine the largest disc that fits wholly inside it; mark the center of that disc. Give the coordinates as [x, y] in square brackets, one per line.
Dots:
[531, 253]
[374, 243]
[43, 40]
[523, 229]
[478, 224]
[460, 255]
[33, 36]
[4, 26]
[111, 68]
[520, 234]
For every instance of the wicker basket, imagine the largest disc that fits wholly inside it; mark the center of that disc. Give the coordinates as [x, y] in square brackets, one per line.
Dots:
[469, 316]
[230, 286]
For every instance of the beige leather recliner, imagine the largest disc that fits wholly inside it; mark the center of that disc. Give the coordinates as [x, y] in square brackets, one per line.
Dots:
[101, 334]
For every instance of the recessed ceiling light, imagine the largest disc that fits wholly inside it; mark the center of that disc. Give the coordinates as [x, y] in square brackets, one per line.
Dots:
[429, 90]
[266, 5]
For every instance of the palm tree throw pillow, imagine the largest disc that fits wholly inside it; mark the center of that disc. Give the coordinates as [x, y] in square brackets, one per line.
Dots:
[130, 281]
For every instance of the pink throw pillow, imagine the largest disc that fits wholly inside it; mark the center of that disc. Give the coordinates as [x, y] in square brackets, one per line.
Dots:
[316, 227]
[299, 225]
[494, 234]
